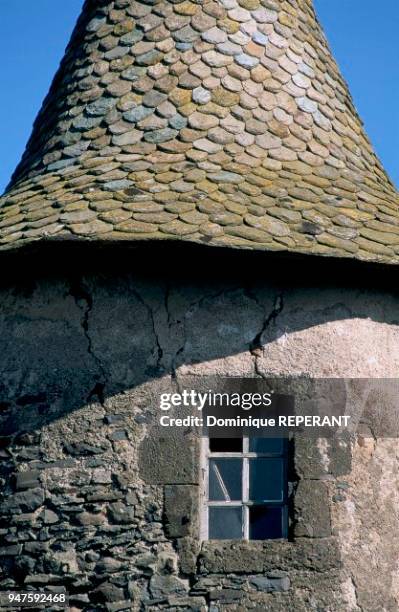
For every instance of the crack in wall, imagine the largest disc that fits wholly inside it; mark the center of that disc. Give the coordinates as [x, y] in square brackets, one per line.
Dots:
[360, 608]
[166, 305]
[256, 346]
[190, 308]
[84, 302]
[81, 293]
[150, 311]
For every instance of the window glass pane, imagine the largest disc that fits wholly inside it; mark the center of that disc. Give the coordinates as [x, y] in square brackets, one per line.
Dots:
[225, 479]
[266, 477]
[265, 523]
[267, 445]
[225, 523]
[225, 445]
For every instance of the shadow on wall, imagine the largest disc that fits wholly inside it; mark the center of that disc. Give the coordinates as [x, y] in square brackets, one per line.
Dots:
[77, 328]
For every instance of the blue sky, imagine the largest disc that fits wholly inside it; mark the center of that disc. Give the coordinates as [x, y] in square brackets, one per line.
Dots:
[362, 34]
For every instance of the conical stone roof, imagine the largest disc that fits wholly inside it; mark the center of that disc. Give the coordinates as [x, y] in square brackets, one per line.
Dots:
[217, 121]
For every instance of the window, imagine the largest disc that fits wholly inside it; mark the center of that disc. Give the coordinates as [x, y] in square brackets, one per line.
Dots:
[244, 488]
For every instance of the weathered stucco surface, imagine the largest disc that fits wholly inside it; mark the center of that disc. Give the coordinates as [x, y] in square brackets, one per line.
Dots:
[93, 503]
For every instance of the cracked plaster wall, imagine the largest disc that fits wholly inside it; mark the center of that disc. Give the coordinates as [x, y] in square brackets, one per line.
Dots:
[82, 359]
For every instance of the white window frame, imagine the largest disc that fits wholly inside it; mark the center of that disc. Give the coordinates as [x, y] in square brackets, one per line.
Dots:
[205, 456]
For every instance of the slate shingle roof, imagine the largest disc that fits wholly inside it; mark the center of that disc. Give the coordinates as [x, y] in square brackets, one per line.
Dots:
[222, 121]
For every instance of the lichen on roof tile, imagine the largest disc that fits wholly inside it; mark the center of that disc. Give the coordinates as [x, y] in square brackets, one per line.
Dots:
[223, 122]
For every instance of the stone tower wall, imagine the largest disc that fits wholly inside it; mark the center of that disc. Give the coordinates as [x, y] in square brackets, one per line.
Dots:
[92, 501]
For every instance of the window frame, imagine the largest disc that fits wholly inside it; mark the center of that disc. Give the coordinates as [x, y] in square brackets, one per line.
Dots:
[246, 455]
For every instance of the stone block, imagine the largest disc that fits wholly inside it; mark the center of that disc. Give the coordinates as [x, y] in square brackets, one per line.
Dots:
[341, 456]
[117, 606]
[226, 596]
[310, 461]
[188, 550]
[120, 513]
[181, 510]
[263, 557]
[36, 547]
[270, 584]
[49, 517]
[163, 586]
[88, 518]
[24, 501]
[27, 480]
[168, 460]
[108, 592]
[11, 551]
[194, 604]
[82, 449]
[108, 565]
[312, 509]
[315, 458]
